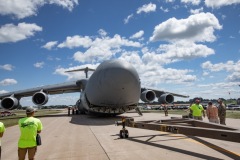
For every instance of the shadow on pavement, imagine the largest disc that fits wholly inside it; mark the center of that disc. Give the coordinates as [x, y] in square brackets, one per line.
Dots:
[190, 153]
[227, 153]
[93, 120]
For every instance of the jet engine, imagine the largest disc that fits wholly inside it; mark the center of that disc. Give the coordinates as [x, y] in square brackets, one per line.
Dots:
[40, 98]
[166, 98]
[148, 96]
[10, 103]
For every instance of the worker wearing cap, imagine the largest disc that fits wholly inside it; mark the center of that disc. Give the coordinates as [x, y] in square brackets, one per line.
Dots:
[197, 110]
[2, 130]
[29, 127]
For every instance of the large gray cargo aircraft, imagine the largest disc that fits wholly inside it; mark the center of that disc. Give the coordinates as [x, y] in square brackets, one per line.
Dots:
[113, 88]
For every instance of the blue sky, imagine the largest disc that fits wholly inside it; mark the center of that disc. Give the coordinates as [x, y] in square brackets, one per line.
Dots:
[184, 46]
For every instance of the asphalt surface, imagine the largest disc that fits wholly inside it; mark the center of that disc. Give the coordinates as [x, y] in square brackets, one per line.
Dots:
[86, 137]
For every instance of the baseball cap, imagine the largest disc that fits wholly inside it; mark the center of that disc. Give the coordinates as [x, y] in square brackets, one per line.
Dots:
[29, 110]
[197, 100]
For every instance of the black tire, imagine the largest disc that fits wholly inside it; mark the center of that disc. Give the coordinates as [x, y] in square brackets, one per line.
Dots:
[121, 134]
[126, 133]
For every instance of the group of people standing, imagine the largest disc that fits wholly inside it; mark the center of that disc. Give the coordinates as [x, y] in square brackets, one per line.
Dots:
[214, 114]
[29, 128]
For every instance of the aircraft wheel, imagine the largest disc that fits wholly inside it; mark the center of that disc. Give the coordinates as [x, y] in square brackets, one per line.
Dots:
[126, 133]
[123, 134]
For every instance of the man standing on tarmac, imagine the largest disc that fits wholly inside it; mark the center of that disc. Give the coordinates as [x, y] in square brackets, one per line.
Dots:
[212, 113]
[197, 110]
[165, 107]
[29, 127]
[222, 112]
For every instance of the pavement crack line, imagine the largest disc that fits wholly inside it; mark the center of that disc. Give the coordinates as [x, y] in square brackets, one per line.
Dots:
[99, 142]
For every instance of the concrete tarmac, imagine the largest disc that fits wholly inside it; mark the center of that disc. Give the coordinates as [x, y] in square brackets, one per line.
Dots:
[86, 137]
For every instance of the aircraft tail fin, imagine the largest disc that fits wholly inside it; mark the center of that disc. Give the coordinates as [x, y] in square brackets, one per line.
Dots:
[82, 69]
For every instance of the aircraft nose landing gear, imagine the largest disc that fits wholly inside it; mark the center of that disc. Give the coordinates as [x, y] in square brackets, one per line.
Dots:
[123, 132]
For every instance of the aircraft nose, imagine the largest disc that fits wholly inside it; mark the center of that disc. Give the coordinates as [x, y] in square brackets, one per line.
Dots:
[114, 84]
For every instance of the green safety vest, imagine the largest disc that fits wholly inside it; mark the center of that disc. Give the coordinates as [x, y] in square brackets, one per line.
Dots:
[28, 128]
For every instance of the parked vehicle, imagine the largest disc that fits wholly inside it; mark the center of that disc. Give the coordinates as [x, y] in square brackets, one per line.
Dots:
[233, 107]
[7, 113]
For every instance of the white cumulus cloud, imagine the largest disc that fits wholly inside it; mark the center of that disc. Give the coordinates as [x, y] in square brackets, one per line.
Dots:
[147, 8]
[7, 67]
[102, 32]
[104, 48]
[76, 41]
[50, 45]
[137, 35]
[220, 3]
[39, 64]
[230, 66]
[7, 82]
[197, 28]
[68, 4]
[193, 2]
[196, 11]
[25, 8]
[170, 53]
[14, 33]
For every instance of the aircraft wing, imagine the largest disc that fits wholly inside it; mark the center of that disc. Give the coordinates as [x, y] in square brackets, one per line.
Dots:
[159, 93]
[149, 95]
[67, 87]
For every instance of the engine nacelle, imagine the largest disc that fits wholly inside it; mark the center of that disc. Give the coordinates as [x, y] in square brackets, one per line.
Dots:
[10, 103]
[40, 98]
[166, 98]
[148, 96]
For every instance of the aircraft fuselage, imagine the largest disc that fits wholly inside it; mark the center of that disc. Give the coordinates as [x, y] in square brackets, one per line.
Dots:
[113, 88]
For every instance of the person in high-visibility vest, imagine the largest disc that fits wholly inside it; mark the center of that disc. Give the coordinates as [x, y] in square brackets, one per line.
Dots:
[29, 128]
[2, 130]
[197, 110]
